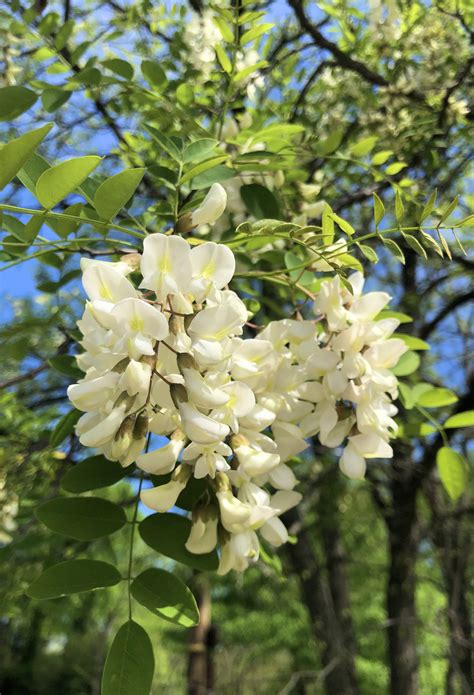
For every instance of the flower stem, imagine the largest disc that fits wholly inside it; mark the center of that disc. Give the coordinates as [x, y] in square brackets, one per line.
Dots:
[132, 539]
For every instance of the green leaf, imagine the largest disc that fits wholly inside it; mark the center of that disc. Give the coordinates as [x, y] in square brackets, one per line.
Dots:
[466, 222]
[64, 428]
[216, 174]
[278, 131]
[437, 398]
[364, 146]
[92, 473]
[394, 249]
[369, 253]
[65, 227]
[260, 201]
[407, 364]
[185, 94]
[223, 59]
[32, 170]
[414, 244]
[379, 209]
[166, 596]
[249, 70]
[422, 429]
[328, 225]
[381, 157]
[412, 341]
[73, 577]
[67, 365]
[64, 34]
[120, 67]
[53, 99]
[254, 33]
[153, 73]
[419, 389]
[195, 488]
[225, 29]
[14, 101]
[406, 396]
[114, 193]
[294, 263]
[399, 207]
[165, 142]
[202, 167]
[168, 533]
[331, 143]
[88, 76]
[130, 663]
[198, 149]
[452, 471]
[387, 314]
[451, 207]
[16, 152]
[57, 182]
[431, 243]
[343, 224]
[395, 168]
[465, 419]
[83, 518]
[429, 206]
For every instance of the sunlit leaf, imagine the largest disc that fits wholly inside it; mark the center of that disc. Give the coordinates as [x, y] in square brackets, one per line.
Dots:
[16, 152]
[114, 193]
[14, 101]
[452, 471]
[130, 663]
[56, 183]
[166, 596]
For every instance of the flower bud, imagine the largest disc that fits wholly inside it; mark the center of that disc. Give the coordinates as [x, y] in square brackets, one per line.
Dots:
[184, 224]
[186, 361]
[141, 426]
[178, 394]
[211, 207]
[123, 438]
[203, 535]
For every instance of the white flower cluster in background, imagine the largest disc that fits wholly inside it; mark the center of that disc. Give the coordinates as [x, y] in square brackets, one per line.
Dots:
[166, 356]
[201, 36]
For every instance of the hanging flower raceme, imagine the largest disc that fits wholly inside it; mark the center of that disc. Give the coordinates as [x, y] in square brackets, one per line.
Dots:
[334, 379]
[162, 356]
[165, 355]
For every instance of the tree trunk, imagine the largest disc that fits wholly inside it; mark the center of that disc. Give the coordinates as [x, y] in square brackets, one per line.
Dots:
[335, 556]
[451, 535]
[401, 606]
[337, 660]
[202, 641]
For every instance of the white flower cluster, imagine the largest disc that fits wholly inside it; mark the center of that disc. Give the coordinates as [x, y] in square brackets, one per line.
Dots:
[334, 380]
[201, 36]
[169, 359]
